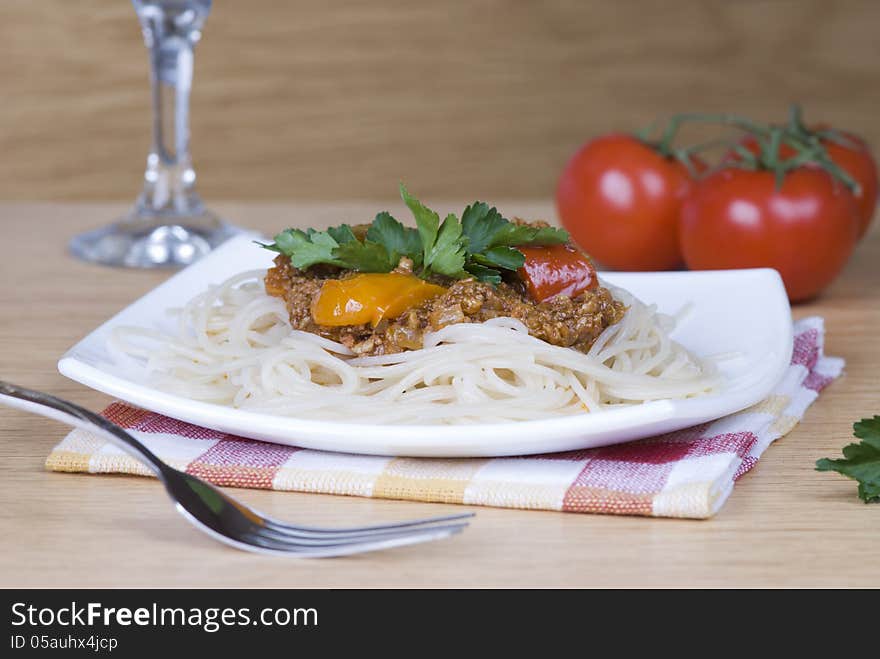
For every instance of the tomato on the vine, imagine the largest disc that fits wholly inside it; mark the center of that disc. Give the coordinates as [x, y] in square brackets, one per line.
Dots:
[738, 218]
[620, 199]
[850, 153]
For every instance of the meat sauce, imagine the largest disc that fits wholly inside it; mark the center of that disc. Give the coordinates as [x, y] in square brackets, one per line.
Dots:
[568, 309]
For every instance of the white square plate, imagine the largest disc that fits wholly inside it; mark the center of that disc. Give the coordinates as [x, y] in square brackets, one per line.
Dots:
[734, 311]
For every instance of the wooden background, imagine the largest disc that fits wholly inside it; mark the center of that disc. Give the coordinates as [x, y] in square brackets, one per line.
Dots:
[311, 99]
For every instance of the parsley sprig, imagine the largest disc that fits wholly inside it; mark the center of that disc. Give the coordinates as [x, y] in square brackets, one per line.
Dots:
[481, 244]
[861, 461]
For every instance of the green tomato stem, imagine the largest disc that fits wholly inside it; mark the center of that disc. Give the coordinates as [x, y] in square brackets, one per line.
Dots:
[807, 145]
[796, 120]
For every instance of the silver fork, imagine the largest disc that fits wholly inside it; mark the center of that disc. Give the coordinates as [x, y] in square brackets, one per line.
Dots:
[222, 517]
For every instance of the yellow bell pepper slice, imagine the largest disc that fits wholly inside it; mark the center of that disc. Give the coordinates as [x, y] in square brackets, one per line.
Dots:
[369, 297]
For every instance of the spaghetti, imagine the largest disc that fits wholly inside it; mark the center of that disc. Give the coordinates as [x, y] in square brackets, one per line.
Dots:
[234, 345]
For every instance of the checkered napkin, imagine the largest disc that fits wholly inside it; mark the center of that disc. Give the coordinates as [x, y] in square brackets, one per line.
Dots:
[688, 473]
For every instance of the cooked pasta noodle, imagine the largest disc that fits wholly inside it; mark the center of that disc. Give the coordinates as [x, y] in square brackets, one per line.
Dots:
[234, 346]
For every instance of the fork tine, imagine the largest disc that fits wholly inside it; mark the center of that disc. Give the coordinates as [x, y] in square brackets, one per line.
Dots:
[265, 523]
[358, 548]
[336, 539]
[242, 526]
[373, 546]
[262, 543]
[313, 531]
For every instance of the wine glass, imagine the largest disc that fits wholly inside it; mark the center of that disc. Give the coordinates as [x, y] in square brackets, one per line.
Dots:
[168, 226]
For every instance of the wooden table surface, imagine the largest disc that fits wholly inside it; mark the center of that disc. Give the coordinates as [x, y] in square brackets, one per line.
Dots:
[784, 525]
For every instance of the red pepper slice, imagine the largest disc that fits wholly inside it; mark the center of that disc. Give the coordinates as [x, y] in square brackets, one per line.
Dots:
[556, 270]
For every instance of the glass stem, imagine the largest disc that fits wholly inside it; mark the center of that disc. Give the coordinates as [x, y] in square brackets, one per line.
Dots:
[169, 179]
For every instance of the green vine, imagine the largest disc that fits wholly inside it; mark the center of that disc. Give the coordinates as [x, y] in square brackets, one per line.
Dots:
[806, 144]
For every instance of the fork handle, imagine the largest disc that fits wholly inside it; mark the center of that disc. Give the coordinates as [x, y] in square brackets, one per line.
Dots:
[58, 409]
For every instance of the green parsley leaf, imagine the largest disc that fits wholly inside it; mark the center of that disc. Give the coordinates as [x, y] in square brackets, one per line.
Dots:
[861, 461]
[501, 257]
[337, 246]
[486, 228]
[307, 249]
[367, 256]
[323, 238]
[397, 239]
[481, 225]
[481, 244]
[342, 234]
[492, 241]
[519, 235]
[484, 274]
[447, 255]
[443, 246]
[427, 221]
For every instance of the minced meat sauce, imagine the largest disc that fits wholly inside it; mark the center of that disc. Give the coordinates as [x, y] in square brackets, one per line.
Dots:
[562, 321]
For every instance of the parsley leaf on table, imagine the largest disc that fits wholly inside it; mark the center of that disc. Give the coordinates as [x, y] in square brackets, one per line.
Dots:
[861, 461]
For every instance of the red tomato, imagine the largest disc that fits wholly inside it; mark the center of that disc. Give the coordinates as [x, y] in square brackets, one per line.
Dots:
[620, 201]
[556, 270]
[806, 230]
[856, 161]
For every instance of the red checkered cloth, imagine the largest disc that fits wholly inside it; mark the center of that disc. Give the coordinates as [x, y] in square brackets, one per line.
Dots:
[688, 473]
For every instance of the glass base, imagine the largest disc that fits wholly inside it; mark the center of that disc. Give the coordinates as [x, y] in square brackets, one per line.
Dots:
[160, 241]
